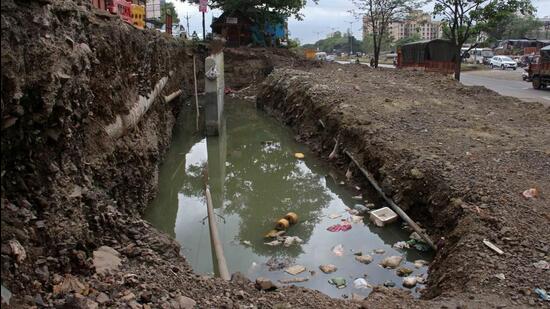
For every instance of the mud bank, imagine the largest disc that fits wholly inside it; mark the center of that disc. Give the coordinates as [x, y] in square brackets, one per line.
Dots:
[68, 188]
[456, 158]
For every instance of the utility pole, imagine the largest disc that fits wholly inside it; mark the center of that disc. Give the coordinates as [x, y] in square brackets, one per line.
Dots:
[188, 30]
[203, 28]
[350, 37]
[318, 36]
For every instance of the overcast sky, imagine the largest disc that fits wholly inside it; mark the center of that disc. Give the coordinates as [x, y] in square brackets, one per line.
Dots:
[319, 20]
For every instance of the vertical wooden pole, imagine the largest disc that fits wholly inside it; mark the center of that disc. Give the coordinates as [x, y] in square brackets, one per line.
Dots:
[196, 94]
[214, 237]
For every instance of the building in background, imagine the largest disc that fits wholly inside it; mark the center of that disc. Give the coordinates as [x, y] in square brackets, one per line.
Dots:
[417, 22]
[544, 31]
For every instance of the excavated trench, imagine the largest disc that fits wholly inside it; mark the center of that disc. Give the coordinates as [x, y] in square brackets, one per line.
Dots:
[255, 179]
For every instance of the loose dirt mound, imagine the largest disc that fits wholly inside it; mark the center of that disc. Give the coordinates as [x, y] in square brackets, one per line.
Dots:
[69, 189]
[457, 158]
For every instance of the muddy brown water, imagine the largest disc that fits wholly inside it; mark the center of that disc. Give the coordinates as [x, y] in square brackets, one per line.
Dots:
[255, 180]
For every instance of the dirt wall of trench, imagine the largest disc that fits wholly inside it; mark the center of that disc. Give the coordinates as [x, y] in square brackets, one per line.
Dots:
[414, 133]
[67, 72]
[68, 188]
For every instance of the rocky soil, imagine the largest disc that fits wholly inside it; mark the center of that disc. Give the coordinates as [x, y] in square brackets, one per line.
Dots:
[457, 158]
[71, 195]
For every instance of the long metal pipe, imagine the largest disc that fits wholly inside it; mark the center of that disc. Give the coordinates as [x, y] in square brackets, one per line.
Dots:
[216, 243]
[392, 204]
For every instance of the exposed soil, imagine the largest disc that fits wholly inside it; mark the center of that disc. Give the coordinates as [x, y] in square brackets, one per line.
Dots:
[68, 188]
[456, 158]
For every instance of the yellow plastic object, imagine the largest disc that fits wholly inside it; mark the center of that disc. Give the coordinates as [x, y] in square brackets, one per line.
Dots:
[291, 217]
[138, 16]
[282, 224]
[299, 155]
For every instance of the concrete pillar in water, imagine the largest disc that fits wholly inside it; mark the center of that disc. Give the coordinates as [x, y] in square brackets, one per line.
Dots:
[214, 96]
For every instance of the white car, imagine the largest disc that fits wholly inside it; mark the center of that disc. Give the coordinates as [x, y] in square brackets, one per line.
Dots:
[503, 62]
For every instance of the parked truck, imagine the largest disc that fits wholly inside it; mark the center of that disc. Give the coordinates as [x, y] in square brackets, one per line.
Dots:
[538, 72]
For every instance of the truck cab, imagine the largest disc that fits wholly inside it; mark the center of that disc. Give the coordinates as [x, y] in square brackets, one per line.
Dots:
[539, 70]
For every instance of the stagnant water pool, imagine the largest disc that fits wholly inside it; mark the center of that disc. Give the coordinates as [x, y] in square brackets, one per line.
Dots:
[255, 180]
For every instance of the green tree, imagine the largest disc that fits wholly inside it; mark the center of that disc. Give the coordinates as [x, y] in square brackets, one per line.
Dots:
[463, 19]
[413, 38]
[293, 43]
[337, 42]
[385, 43]
[512, 26]
[169, 7]
[379, 14]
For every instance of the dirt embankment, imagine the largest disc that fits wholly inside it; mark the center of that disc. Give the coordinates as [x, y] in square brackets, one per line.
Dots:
[68, 188]
[456, 158]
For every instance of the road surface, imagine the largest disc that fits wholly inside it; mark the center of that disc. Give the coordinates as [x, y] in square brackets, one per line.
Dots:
[508, 83]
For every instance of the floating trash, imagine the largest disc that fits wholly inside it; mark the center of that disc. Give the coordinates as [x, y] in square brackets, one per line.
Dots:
[339, 282]
[338, 250]
[296, 269]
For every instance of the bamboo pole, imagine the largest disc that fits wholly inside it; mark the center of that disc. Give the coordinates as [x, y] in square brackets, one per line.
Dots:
[196, 94]
[218, 248]
[392, 204]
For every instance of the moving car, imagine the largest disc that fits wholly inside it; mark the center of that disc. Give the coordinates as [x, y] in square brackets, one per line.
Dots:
[503, 62]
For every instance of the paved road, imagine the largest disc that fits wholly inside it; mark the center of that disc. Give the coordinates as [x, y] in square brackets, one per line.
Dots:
[508, 83]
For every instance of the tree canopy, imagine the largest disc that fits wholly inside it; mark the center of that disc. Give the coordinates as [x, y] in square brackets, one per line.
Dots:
[169, 7]
[379, 14]
[267, 10]
[337, 42]
[463, 19]
[512, 26]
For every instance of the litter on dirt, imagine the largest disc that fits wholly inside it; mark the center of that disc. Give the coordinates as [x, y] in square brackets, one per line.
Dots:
[69, 284]
[296, 269]
[542, 264]
[542, 294]
[500, 276]
[492, 246]
[299, 155]
[6, 295]
[530, 193]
